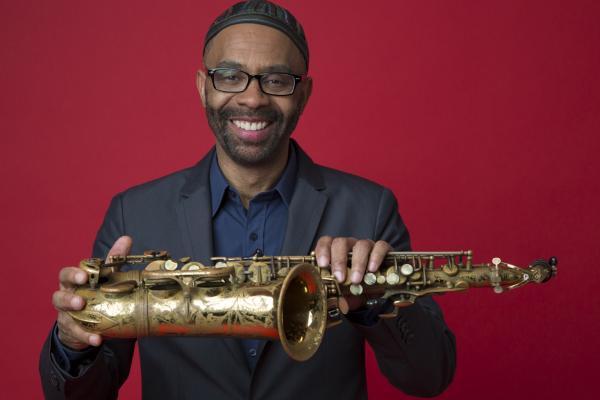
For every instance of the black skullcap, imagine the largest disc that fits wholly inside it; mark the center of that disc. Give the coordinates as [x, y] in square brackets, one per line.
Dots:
[264, 13]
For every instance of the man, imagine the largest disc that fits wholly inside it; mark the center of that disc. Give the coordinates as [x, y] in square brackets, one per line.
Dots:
[256, 190]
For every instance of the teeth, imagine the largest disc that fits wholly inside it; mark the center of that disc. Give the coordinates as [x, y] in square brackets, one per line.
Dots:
[250, 126]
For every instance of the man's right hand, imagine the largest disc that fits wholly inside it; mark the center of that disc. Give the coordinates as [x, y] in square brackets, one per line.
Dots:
[69, 332]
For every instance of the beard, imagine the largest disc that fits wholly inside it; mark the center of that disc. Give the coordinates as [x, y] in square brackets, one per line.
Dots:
[252, 154]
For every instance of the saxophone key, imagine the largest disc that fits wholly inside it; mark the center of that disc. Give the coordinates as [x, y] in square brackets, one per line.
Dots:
[407, 269]
[356, 290]
[170, 265]
[370, 278]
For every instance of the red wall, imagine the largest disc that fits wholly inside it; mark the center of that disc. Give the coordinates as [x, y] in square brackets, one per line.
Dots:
[483, 117]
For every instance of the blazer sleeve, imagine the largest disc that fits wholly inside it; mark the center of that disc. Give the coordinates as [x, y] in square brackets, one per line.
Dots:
[102, 376]
[416, 350]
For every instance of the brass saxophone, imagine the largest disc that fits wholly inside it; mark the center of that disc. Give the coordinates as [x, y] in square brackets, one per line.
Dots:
[286, 298]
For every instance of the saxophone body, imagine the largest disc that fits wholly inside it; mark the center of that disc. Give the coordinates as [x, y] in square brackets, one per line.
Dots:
[285, 298]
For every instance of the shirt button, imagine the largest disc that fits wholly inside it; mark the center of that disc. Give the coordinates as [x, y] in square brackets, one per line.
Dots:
[252, 352]
[253, 236]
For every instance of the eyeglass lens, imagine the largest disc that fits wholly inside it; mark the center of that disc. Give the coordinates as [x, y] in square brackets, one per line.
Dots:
[234, 81]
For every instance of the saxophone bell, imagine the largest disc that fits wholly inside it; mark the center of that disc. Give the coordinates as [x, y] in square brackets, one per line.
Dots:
[302, 312]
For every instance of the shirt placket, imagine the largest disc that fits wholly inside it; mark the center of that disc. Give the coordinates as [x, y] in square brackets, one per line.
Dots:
[255, 222]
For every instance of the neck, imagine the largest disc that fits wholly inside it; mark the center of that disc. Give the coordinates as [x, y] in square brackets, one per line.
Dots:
[250, 180]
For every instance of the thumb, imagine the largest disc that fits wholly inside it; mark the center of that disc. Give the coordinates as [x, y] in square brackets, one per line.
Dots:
[121, 247]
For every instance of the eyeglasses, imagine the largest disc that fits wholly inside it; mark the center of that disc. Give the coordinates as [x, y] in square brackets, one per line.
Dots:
[231, 80]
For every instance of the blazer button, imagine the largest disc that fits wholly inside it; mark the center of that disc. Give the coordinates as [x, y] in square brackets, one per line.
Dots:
[252, 352]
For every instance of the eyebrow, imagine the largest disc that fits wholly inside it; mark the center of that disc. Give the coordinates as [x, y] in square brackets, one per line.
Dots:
[270, 68]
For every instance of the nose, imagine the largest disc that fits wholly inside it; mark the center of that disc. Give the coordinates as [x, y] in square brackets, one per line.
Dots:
[252, 97]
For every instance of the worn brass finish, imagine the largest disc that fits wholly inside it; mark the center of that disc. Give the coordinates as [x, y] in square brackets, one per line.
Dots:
[286, 298]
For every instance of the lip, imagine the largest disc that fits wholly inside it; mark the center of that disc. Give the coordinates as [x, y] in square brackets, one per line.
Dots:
[250, 136]
[250, 119]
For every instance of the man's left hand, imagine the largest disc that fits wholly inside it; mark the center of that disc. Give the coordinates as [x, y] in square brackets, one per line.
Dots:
[366, 255]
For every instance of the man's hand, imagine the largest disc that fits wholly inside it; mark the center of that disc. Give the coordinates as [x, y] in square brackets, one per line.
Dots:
[64, 300]
[366, 255]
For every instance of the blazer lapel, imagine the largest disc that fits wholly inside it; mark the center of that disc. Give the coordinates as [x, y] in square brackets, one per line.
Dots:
[193, 213]
[305, 212]
[306, 208]
[195, 222]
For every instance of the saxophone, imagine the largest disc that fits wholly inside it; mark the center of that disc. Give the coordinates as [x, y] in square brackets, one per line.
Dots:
[286, 298]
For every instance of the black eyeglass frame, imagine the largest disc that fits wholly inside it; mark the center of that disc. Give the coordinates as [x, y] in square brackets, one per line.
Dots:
[297, 79]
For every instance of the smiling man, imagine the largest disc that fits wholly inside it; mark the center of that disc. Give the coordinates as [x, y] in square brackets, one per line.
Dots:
[256, 190]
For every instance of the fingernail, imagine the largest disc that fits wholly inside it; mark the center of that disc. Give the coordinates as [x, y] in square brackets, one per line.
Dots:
[322, 261]
[80, 277]
[355, 277]
[76, 302]
[372, 266]
[339, 276]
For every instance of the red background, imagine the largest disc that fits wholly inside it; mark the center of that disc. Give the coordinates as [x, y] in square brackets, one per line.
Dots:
[482, 116]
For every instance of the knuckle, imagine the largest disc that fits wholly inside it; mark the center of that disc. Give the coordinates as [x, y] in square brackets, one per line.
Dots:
[56, 298]
[66, 275]
[60, 299]
[323, 244]
[377, 255]
[383, 245]
[325, 239]
[338, 265]
[339, 241]
[61, 274]
[363, 245]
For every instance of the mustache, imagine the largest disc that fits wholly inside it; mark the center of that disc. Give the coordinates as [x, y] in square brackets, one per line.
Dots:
[267, 114]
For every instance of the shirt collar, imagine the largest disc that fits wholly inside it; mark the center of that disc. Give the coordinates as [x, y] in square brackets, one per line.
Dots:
[284, 186]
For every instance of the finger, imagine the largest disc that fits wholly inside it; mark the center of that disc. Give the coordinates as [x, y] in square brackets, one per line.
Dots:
[339, 256]
[343, 305]
[66, 301]
[323, 251]
[73, 335]
[70, 277]
[121, 247]
[360, 256]
[378, 254]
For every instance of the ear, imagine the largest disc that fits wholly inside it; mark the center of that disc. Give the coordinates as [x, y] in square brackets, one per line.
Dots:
[306, 92]
[201, 85]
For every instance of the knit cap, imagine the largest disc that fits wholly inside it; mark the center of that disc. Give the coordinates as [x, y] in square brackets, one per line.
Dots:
[264, 13]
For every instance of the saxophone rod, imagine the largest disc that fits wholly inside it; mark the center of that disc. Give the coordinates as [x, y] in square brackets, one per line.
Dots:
[285, 298]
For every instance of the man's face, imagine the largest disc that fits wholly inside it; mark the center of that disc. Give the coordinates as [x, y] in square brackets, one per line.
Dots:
[253, 128]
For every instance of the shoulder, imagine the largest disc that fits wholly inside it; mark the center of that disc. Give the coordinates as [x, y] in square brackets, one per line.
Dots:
[170, 187]
[340, 184]
[172, 183]
[335, 182]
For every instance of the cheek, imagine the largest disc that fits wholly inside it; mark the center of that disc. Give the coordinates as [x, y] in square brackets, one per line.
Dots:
[287, 106]
[217, 100]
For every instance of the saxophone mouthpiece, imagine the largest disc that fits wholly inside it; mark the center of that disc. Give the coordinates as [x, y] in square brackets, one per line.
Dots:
[543, 271]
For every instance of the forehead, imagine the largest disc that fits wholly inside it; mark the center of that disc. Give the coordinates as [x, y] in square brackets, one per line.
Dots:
[254, 48]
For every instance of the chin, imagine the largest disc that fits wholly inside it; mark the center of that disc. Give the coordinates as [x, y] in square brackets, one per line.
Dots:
[255, 154]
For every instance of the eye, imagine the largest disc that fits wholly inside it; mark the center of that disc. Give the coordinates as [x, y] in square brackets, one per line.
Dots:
[276, 80]
[229, 76]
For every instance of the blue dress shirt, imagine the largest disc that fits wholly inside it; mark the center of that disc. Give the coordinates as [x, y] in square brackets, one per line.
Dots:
[238, 231]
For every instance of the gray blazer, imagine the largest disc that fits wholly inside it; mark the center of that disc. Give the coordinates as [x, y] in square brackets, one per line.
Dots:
[415, 351]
